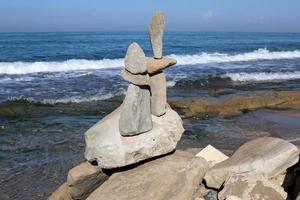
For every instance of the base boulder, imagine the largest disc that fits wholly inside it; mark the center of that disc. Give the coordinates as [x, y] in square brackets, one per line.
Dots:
[173, 177]
[110, 149]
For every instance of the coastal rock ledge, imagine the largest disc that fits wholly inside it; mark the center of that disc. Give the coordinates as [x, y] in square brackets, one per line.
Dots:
[106, 146]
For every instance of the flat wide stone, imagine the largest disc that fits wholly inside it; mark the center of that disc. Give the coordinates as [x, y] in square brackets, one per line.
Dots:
[173, 177]
[156, 33]
[135, 114]
[135, 59]
[136, 79]
[156, 65]
[158, 86]
[266, 156]
[212, 155]
[83, 179]
[110, 149]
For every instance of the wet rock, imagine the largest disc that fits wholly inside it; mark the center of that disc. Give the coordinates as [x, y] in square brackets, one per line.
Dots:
[156, 32]
[62, 193]
[173, 177]
[237, 105]
[251, 187]
[105, 144]
[157, 65]
[136, 79]
[135, 59]
[212, 155]
[83, 179]
[135, 117]
[158, 86]
[265, 156]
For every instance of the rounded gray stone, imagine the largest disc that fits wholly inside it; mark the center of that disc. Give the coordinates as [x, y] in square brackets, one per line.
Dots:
[135, 59]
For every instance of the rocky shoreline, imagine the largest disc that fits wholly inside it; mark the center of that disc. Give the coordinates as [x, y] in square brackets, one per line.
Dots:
[131, 153]
[252, 172]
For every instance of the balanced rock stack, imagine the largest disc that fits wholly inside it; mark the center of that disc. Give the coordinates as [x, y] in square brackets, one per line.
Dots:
[144, 126]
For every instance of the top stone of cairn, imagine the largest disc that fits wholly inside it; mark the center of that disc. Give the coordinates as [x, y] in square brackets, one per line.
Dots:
[135, 59]
[156, 32]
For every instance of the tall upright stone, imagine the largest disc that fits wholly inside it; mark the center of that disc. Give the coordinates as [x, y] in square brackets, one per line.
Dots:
[135, 59]
[158, 86]
[135, 117]
[156, 33]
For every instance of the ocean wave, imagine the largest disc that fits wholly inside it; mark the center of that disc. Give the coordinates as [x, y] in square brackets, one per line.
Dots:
[69, 65]
[64, 100]
[260, 54]
[81, 64]
[263, 76]
[80, 99]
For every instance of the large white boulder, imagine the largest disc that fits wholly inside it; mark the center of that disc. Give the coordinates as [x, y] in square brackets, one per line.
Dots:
[110, 149]
[266, 156]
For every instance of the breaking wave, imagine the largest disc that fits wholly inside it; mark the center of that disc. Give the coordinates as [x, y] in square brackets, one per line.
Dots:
[202, 58]
[263, 76]
[260, 54]
[69, 65]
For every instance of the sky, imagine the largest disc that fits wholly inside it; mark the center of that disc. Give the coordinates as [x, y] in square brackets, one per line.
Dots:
[134, 15]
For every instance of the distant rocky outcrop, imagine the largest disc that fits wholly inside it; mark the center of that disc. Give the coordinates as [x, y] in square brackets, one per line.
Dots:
[236, 105]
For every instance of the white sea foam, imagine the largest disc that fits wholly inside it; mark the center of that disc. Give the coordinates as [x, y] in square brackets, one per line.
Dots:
[263, 76]
[78, 99]
[69, 65]
[202, 58]
[70, 99]
[171, 84]
[260, 54]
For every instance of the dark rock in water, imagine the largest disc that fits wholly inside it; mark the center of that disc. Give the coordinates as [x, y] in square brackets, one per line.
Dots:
[236, 105]
[83, 179]
[265, 156]
[135, 117]
[213, 83]
[173, 177]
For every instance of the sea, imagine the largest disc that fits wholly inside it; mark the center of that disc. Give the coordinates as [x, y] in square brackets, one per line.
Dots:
[54, 86]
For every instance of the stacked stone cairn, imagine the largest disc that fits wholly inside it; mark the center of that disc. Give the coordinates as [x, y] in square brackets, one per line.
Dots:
[145, 127]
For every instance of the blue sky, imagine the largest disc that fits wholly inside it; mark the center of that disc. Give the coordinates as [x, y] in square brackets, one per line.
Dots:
[134, 15]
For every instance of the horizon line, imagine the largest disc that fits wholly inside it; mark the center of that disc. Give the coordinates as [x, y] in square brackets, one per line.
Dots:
[139, 31]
